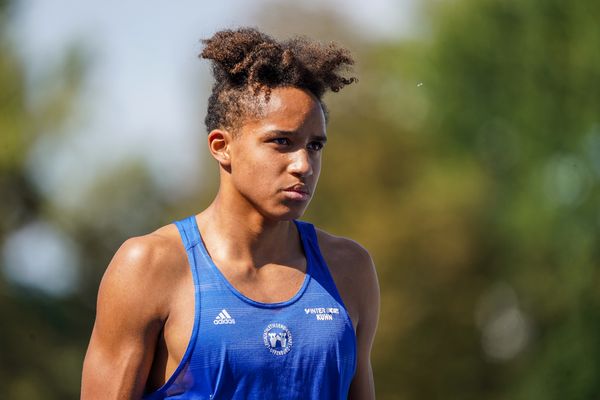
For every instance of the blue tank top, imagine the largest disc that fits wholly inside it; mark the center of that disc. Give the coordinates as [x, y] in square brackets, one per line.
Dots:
[302, 348]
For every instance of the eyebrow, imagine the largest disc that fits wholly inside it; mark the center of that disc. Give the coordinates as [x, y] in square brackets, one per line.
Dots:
[322, 138]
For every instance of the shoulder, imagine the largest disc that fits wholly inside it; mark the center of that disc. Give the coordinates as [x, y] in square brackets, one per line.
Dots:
[153, 249]
[148, 268]
[345, 253]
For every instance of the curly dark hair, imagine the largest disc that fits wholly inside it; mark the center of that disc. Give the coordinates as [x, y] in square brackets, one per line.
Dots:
[247, 62]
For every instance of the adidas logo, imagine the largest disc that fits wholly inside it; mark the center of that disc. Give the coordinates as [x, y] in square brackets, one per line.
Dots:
[224, 318]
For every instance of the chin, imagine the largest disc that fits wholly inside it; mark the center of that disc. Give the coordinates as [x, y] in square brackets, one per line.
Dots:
[286, 213]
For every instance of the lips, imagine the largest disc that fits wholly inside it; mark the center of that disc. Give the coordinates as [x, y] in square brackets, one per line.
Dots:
[297, 192]
[297, 188]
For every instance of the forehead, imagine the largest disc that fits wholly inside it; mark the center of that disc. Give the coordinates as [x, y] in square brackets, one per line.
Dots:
[290, 109]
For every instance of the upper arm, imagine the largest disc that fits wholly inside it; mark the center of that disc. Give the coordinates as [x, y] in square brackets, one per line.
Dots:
[131, 309]
[368, 316]
[356, 279]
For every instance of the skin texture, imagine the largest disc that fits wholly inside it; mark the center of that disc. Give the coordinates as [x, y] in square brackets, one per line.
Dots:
[146, 298]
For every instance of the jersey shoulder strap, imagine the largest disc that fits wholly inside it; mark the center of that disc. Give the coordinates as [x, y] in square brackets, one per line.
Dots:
[321, 271]
[189, 232]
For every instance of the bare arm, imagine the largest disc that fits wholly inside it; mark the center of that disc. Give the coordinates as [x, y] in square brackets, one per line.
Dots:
[363, 386]
[355, 277]
[131, 310]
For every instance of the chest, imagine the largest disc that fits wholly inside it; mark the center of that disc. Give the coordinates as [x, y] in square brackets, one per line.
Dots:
[253, 337]
[245, 344]
[238, 349]
[226, 319]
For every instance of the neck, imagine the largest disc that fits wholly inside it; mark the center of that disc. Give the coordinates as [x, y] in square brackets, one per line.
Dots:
[243, 234]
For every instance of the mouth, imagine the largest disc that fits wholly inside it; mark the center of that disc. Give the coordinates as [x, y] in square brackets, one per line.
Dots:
[297, 192]
[299, 188]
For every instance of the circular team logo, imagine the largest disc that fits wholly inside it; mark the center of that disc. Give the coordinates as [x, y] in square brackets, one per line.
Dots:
[278, 339]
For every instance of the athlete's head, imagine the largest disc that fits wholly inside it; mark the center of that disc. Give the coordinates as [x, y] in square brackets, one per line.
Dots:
[266, 118]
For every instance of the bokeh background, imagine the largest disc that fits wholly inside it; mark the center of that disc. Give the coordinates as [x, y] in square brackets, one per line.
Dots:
[466, 159]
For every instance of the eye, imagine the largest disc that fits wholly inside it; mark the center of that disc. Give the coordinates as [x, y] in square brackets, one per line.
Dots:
[281, 141]
[315, 146]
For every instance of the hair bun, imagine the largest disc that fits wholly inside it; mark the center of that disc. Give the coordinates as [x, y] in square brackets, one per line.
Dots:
[238, 54]
[246, 58]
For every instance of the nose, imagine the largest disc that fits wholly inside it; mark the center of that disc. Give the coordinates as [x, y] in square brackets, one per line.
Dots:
[300, 164]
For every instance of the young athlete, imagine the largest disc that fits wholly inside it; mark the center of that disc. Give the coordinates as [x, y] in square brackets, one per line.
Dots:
[243, 301]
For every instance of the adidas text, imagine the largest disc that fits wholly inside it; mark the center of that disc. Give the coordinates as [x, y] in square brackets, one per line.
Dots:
[224, 318]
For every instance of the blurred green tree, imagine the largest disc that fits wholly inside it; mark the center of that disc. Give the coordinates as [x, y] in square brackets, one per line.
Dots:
[40, 338]
[43, 337]
[515, 86]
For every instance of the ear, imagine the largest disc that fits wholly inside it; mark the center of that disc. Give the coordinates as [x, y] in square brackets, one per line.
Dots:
[218, 145]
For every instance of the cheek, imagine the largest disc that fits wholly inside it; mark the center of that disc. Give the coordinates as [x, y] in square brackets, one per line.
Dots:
[257, 171]
[316, 166]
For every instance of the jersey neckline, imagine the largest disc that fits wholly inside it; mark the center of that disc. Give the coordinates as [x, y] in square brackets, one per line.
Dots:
[240, 295]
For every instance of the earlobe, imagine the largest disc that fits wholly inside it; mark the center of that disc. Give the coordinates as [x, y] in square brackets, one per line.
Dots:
[218, 145]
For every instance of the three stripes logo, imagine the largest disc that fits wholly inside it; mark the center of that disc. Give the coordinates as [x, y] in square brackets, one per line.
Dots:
[224, 318]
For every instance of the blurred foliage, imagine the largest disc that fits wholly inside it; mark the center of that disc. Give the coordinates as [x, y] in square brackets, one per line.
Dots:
[37, 333]
[42, 338]
[466, 160]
